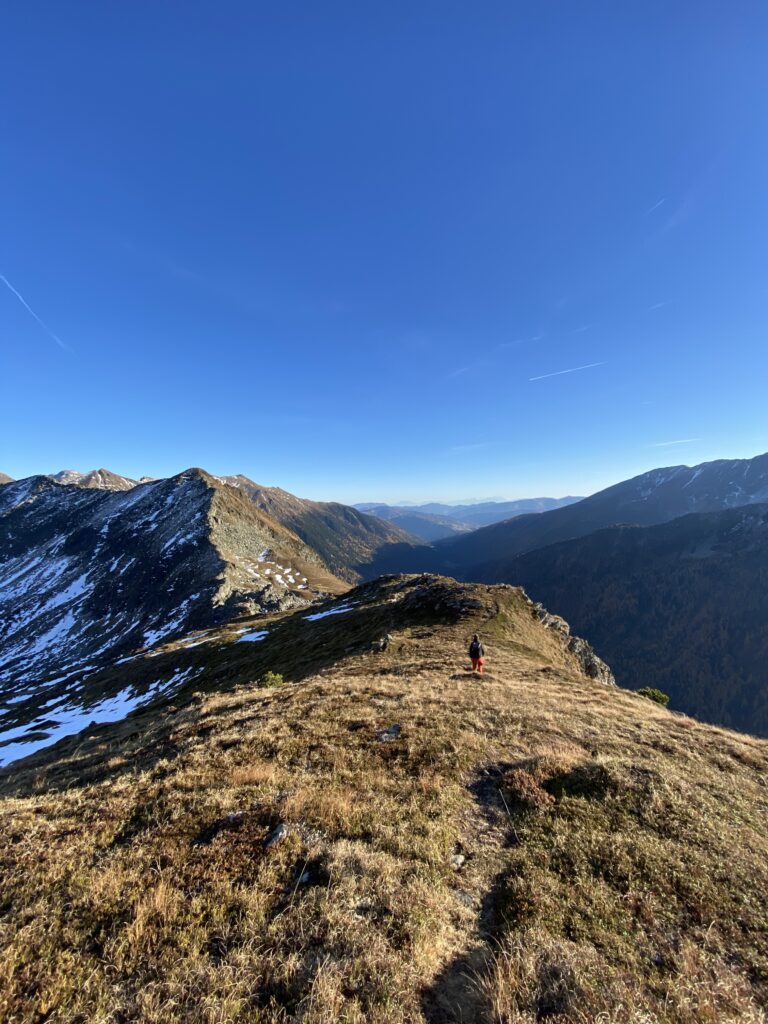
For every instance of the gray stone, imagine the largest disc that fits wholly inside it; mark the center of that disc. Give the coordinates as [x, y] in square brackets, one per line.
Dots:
[591, 664]
[276, 836]
[390, 734]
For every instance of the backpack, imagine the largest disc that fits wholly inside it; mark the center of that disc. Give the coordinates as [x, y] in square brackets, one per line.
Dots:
[475, 649]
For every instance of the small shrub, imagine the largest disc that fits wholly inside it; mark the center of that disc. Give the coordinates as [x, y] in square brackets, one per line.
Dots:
[655, 695]
[524, 790]
[524, 785]
[589, 780]
[270, 679]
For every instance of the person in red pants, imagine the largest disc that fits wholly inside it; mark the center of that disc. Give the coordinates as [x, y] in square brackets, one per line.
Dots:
[477, 654]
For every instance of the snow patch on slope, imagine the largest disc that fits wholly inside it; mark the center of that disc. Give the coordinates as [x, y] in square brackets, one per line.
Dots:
[73, 718]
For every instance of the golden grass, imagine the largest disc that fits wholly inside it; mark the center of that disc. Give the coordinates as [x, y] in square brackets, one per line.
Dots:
[615, 854]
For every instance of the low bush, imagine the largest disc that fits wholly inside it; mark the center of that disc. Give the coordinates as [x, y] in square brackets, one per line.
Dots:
[655, 695]
[270, 679]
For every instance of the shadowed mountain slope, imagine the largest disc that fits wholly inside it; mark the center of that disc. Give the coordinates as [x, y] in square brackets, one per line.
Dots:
[387, 839]
[682, 606]
[346, 539]
[655, 497]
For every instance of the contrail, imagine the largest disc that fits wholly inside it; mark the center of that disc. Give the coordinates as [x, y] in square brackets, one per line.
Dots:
[31, 311]
[656, 206]
[684, 440]
[573, 369]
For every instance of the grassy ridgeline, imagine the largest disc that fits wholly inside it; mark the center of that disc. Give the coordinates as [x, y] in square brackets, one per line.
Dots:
[531, 846]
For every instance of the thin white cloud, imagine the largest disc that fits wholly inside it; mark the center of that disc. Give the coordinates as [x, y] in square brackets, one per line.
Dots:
[682, 212]
[26, 305]
[457, 373]
[684, 440]
[659, 305]
[572, 369]
[582, 329]
[656, 205]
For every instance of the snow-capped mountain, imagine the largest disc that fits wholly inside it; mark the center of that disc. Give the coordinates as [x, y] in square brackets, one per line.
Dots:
[100, 479]
[90, 575]
[347, 539]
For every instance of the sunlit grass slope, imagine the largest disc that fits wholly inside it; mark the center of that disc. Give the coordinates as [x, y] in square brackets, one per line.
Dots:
[530, 845]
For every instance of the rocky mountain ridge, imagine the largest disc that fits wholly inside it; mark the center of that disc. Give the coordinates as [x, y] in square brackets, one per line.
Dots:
[89, 575]
[101, 479]
[346, 539]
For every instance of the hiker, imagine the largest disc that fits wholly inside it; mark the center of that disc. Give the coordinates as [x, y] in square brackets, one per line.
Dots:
[477, 654]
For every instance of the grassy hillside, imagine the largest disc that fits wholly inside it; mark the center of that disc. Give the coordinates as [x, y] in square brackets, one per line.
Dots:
[532, 845]
[682, 606]
[347, 540]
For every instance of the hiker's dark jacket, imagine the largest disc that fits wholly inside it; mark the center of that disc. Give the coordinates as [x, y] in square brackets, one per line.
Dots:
[476, 649]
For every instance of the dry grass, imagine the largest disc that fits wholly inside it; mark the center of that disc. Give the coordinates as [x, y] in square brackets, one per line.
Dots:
[615, 855]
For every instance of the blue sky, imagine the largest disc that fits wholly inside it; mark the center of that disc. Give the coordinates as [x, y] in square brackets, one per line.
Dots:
[349, 248]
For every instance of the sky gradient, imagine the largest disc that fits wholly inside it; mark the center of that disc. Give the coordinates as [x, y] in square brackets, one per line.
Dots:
[384, 252]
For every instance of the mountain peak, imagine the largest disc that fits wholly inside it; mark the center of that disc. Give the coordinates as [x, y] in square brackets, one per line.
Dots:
[98, 479]
[197, 473]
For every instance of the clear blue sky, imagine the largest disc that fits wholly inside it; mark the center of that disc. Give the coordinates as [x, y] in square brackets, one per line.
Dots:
[332, 245]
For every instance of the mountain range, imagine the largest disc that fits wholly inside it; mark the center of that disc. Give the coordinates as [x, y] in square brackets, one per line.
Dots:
[665, 572]
[435, 520]
[102, 479]
[645, 500]
[346, 539]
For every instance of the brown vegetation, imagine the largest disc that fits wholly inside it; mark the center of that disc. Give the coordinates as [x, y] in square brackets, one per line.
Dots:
[532, 845]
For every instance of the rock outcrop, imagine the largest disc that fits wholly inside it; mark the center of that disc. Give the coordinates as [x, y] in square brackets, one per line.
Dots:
[592, 665]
